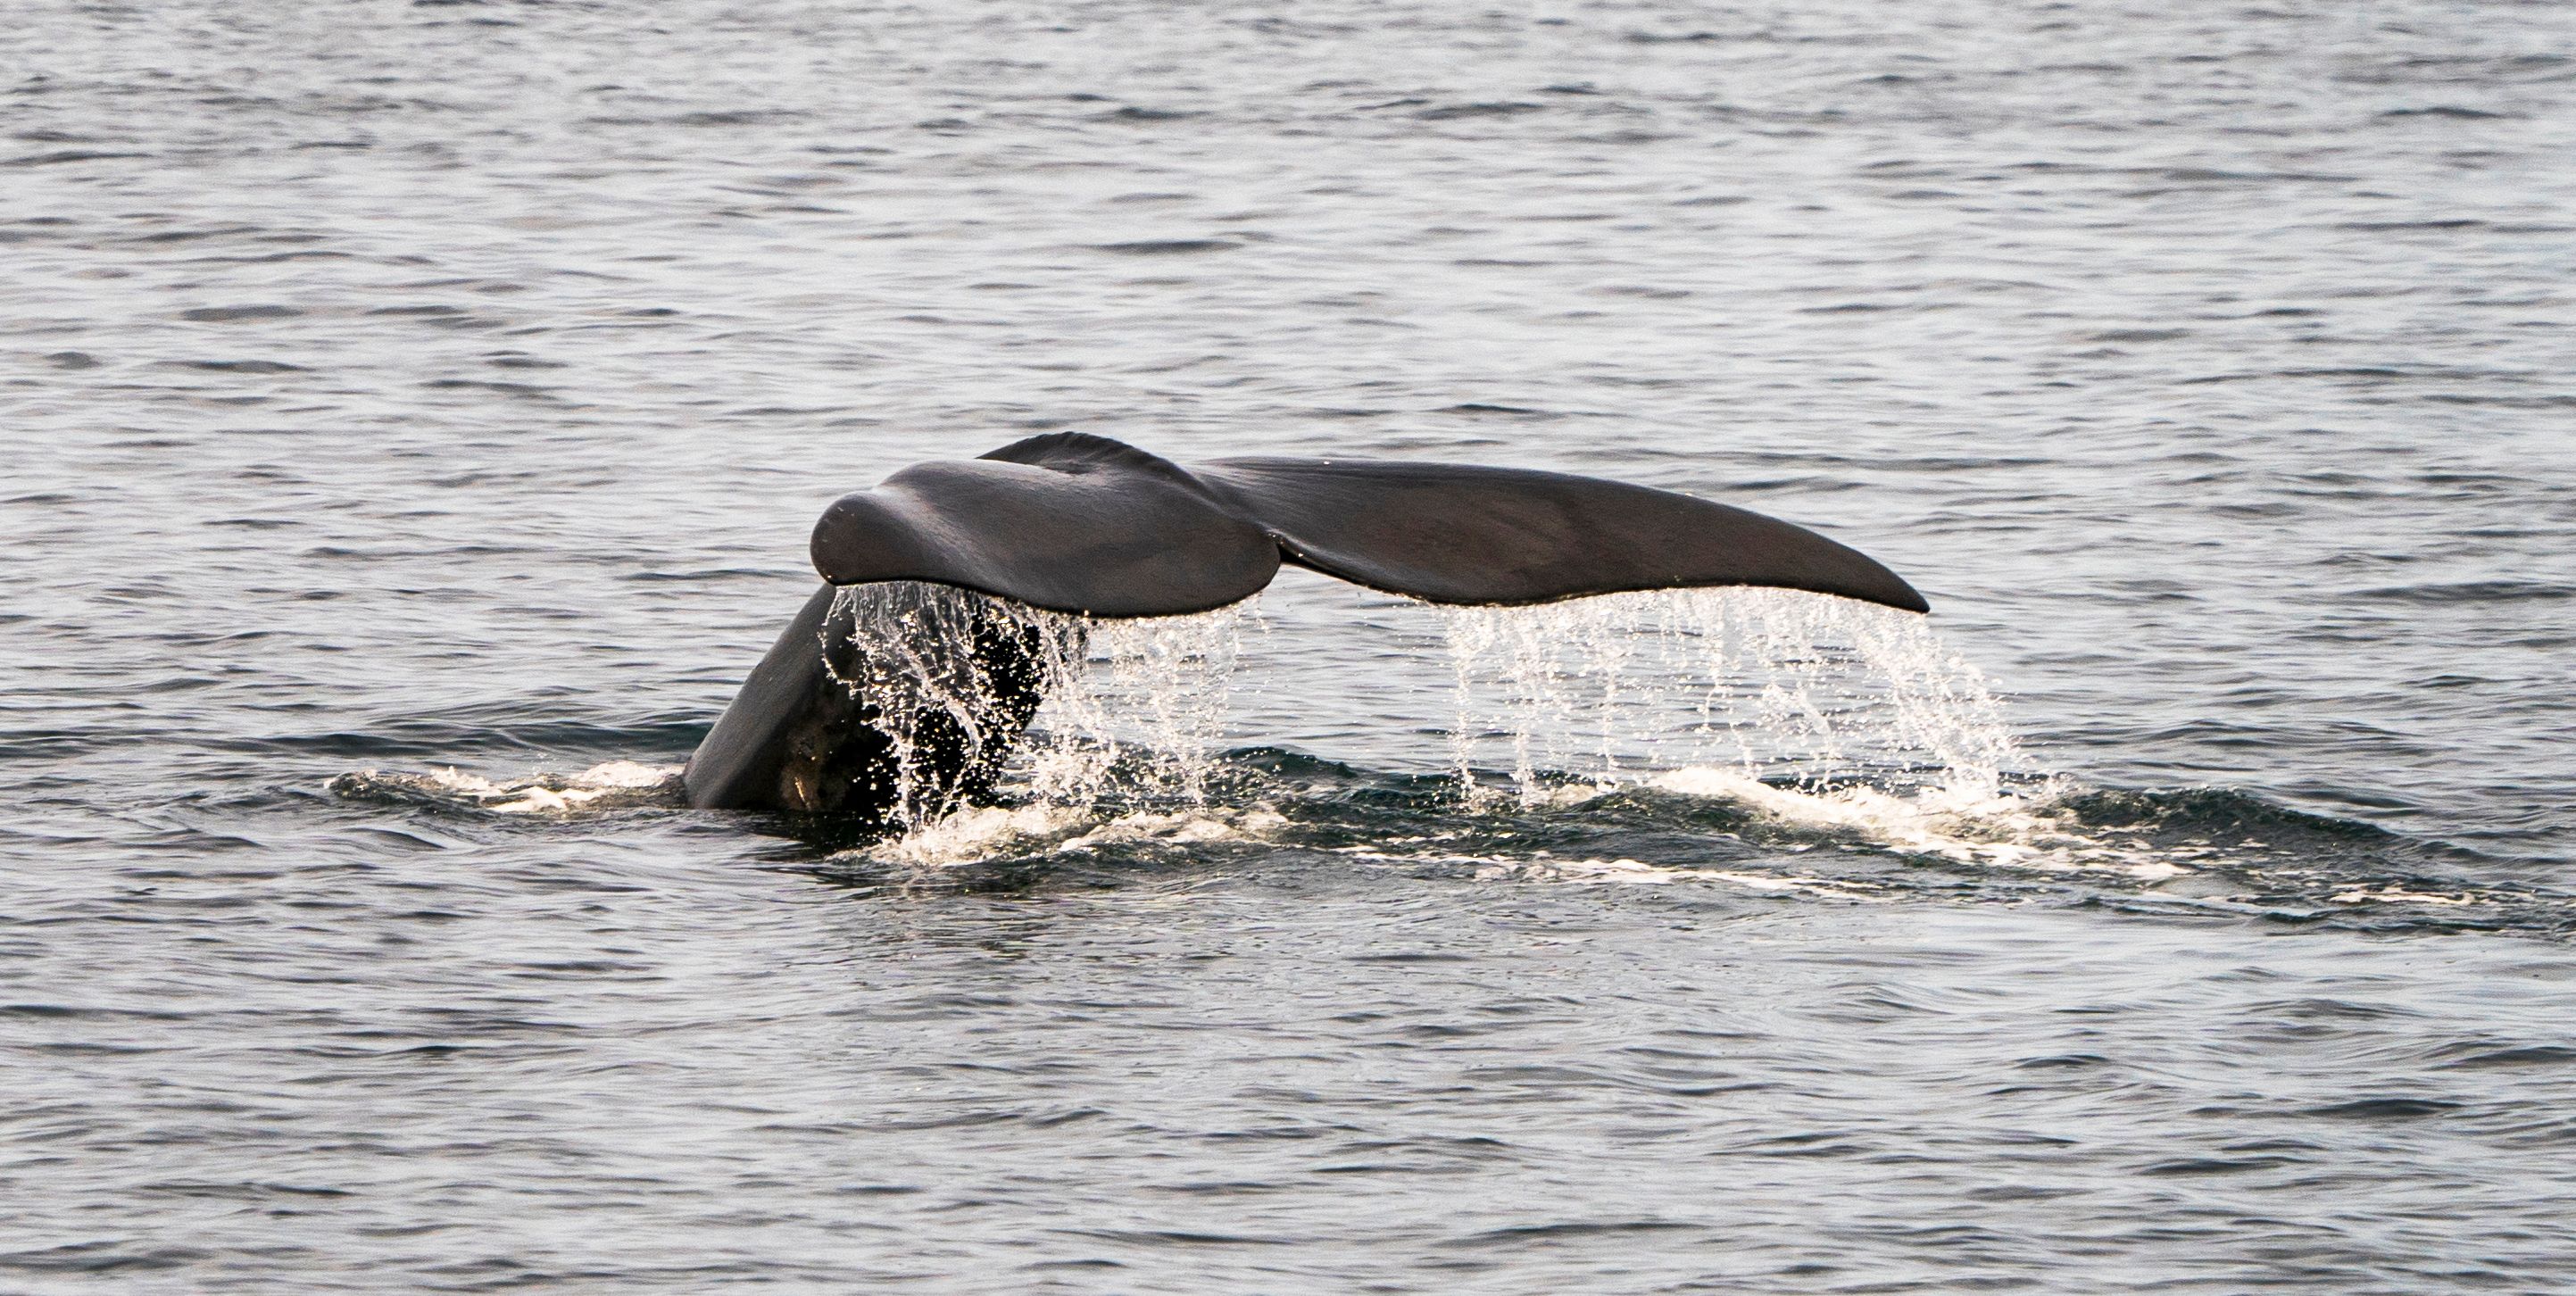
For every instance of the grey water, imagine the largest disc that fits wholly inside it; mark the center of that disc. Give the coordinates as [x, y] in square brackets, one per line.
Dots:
[413, 415]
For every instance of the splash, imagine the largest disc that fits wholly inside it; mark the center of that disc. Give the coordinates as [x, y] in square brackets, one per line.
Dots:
[1132, 708]
[1147, 717]
[941, 671]
[1780, 685]
[1823, 713]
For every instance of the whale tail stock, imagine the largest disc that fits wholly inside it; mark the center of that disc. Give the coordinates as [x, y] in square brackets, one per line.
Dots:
[1083, 524]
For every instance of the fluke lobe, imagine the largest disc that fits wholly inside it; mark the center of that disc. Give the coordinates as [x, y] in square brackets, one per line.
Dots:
[900, 705]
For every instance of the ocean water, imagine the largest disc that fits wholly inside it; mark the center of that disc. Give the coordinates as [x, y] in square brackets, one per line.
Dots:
[413, 415]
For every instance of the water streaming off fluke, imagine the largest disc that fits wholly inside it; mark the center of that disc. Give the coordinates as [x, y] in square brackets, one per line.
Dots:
[1774, 683]
[1809, 708]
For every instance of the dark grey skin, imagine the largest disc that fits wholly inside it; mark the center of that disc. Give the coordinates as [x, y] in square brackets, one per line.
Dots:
[1086, 525]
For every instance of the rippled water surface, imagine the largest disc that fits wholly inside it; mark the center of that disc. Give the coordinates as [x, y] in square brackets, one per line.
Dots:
[413, 419]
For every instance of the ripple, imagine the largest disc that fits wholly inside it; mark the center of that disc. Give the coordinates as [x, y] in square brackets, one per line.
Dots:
[1168, 247]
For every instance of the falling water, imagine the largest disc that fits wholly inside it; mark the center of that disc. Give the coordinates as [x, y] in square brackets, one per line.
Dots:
[940, 666]
[1780, 686]
[1834, 715]
[1131, 706]
[1145, 711]
[1777, 685]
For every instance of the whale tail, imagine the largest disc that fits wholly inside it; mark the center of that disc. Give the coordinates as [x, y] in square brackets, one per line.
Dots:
[1086, 525]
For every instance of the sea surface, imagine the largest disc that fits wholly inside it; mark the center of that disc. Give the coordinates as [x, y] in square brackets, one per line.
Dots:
[411, 417]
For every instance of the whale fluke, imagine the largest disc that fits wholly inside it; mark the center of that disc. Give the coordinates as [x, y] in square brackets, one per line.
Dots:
[1085, 525]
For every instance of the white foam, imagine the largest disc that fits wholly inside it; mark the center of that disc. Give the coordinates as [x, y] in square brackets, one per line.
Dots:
[975, 833]
[622, 782]
[1187, 828]
[1963, 823]
[984, 832]
[1542, 866]
[2399, 895]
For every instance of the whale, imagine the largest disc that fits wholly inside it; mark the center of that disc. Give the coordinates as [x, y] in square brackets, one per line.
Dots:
[953, 589]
